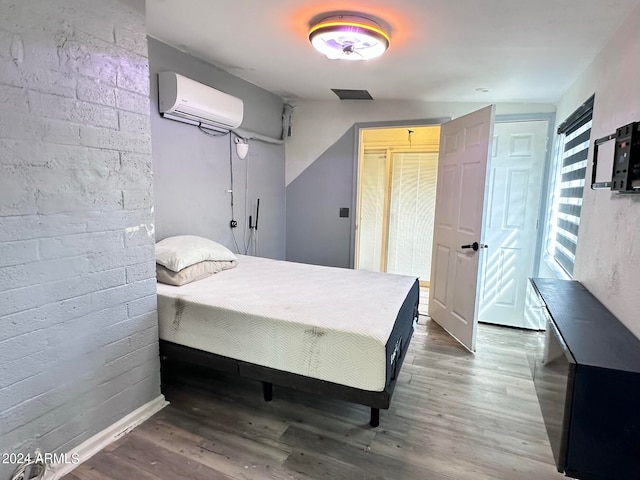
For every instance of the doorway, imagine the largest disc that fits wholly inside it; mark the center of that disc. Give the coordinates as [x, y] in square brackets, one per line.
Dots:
[513, 220]
[397, 171]
[515, 201]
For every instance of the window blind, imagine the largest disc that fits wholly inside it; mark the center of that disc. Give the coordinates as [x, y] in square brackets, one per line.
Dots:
[372, 208]
[413, 198]
[577, 132]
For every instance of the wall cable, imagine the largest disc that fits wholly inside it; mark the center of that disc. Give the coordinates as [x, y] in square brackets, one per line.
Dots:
[255, 244]
[246, 201]
[233, 234]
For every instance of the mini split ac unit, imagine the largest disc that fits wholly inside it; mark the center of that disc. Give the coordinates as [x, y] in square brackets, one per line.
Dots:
[188, 101]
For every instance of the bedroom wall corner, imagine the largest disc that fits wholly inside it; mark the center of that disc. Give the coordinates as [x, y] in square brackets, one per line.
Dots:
[192, 170]
[78, 320]
[315, 231]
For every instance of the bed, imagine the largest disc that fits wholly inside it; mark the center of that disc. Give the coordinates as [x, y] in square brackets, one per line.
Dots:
[330, 331]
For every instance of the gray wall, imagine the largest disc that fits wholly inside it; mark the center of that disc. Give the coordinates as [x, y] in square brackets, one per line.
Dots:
[78, 322]
[191, 169]
[607, 256]
[315, 231]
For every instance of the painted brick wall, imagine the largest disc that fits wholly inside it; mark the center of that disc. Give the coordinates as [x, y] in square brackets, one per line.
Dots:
[78, 321]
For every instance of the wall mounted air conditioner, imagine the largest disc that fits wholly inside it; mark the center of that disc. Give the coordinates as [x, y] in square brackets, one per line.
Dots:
[188, 101]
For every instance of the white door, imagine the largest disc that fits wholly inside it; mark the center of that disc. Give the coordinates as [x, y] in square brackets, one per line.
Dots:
[518, 156]
[462, 166]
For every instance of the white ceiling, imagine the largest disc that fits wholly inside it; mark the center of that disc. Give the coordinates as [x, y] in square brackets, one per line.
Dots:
[441, 50]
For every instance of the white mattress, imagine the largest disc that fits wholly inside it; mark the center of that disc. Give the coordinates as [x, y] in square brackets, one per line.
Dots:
[322, 322]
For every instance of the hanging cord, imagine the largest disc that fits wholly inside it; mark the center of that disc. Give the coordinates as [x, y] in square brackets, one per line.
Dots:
[255, 233]
[247, 250]
[214, 133]
[233, 218]
[246, 201]
[246, 242]
[252, 235]
[255, 244]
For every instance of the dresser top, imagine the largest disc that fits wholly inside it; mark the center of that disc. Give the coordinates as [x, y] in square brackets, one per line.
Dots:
[593, 335]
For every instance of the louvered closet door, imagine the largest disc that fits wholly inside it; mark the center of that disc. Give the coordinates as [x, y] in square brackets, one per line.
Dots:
[412, 206]
[372, 210]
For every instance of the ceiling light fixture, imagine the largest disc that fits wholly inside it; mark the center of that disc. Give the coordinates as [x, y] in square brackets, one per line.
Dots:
[349, 37]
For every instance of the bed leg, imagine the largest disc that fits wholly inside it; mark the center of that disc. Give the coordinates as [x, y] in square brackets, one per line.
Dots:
[267, 390]
[375, 417]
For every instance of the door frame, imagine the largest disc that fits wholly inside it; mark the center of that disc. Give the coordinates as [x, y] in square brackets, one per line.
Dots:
[550, 117]
[499, 118]
[358, 127]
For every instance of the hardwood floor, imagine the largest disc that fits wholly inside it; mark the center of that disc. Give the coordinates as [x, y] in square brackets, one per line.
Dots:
[454, 415]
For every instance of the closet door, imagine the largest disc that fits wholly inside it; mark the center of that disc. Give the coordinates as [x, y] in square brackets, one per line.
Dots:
[412, 207]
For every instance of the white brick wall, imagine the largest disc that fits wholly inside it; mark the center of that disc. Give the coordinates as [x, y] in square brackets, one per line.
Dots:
[78, 322]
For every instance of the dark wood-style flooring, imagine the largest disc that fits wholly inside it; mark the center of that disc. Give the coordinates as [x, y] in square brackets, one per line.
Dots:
[454, 415]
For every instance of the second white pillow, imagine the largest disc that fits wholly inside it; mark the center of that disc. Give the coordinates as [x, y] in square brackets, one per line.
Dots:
[176, 253]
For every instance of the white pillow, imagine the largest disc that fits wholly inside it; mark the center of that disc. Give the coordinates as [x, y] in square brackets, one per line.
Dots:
[193, 273]
[176, 253]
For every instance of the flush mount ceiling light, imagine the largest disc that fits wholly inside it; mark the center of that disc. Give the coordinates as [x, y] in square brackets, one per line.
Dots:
[349, 37]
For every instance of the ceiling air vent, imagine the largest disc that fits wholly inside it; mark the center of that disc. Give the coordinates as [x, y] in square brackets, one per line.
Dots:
[352, 94]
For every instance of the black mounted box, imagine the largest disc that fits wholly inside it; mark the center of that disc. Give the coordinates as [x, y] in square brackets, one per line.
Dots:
[626, 163]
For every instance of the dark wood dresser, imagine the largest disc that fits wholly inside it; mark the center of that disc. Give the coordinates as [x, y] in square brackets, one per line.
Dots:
[587, 378]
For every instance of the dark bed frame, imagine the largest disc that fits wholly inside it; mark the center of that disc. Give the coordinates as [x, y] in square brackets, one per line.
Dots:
[173, 354]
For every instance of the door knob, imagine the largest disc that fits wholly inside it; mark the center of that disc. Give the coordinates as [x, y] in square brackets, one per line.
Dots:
[475, 246]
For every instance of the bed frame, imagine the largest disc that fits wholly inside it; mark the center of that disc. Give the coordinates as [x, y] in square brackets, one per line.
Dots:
[173, 354]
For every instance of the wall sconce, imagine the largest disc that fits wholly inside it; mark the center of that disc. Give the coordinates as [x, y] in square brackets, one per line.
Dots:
[242, 147]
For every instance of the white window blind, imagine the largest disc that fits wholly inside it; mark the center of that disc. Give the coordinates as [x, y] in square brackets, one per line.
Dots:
[372, 209]
[413, 189]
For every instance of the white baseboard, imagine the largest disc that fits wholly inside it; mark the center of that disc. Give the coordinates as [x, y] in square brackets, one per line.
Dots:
[93, 445]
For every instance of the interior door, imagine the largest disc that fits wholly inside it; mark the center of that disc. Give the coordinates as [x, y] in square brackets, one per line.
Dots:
[518, 156]
[462, 166]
